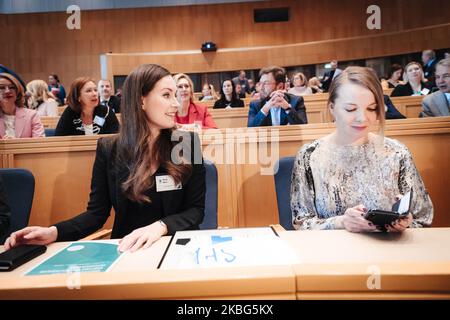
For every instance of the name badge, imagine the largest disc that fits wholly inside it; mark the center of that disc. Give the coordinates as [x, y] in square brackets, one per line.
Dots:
[425, 91]
[99, 120]
[166, 183]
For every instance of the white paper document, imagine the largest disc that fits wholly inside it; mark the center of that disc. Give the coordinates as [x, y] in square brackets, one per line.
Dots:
[227, 248]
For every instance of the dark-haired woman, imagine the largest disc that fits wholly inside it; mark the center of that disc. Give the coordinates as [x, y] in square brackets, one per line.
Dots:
[84, 115]
[228, 97]
[155, 184]
[56, 88]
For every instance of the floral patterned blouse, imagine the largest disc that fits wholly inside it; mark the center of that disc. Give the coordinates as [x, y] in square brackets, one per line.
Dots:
[327, 179]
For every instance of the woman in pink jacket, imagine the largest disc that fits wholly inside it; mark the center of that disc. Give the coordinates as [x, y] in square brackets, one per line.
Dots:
[15, 120]
[190, 115]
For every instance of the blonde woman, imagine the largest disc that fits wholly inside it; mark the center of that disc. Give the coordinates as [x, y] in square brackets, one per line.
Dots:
[301, 87]
[337, 178]
[415, 82]
[315, 85]
[41, 100]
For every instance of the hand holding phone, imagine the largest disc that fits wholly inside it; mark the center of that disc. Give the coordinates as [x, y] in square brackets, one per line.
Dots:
[384, 220]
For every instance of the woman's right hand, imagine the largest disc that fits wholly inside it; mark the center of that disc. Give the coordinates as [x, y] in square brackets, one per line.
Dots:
[353, 220]
[31, 235]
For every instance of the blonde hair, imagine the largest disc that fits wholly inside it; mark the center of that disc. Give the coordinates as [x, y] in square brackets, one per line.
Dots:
[303, 79]
[180, 76]
[364, 77]
[39, 93]
[20, 91]
[405, 73]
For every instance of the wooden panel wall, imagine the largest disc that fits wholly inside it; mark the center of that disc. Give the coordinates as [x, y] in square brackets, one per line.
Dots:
[38, 44]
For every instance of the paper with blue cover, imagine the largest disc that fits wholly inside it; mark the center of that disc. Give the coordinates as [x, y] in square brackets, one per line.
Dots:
[81, 256]
[227, 248]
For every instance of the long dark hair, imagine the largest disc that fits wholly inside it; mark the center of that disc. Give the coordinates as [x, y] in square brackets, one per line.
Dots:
[234, 96]
[133, 146]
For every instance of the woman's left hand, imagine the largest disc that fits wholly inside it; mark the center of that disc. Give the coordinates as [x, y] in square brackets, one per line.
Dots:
[142, 237]
[400, 225]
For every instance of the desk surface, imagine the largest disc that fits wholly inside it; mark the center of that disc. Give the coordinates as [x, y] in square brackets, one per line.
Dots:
[333, 264]
[135, 276]
[340, 264]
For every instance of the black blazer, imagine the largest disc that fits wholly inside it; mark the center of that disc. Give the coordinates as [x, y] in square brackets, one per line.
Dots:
[403, 90]
[223, 103]
[114, 103]
[181, 209]
[70, 122]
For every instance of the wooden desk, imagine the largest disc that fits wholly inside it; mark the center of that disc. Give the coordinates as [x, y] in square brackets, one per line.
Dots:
[338, 264]
[135, 277]
[333, 265]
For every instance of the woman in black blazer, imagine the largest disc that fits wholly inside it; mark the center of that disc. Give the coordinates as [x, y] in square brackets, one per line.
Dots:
[415, 82]
[153, 190]
[84, 115]
[228, 96]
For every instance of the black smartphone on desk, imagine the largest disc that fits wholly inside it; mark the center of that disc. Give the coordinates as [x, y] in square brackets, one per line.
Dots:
[17, 256]
[399, 210]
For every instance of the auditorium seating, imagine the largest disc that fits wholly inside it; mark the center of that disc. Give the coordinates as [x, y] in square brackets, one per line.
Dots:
[62, 167]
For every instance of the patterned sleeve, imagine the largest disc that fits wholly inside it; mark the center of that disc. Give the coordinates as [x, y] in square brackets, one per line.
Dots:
[409, 178]
[304, 214]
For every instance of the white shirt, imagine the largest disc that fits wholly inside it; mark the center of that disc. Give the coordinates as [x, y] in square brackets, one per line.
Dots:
[88, 129]
[10, 130]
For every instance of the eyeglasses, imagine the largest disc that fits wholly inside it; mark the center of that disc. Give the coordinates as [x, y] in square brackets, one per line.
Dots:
[4, 87]
[183, 86]
[267, 83]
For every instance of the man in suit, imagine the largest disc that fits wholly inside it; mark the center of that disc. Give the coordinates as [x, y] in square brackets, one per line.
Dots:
[106, 97]
[276, 107]
[429, 63]
[330, 75]
[438, 103]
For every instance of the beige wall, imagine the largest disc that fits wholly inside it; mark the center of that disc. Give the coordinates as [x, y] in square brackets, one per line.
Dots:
[36, 44]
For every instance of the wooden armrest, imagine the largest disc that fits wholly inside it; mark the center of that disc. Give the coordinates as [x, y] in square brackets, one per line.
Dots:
[102, 234]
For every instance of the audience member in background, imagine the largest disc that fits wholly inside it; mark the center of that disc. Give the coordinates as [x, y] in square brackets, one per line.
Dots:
[330, 75]
[119, 93]
[228, 97]
[243, 82]
[208, 93]
[251, 85]
[301, 87]
[190, 115]
[84, 115]
[276, 107]
[391, 111]
[4, 69]
[256, 95]
[429, 63]
[5, 211]
[106, 98]
[393, 78]
[438, 103]
[337, 178]
[56, 89]
[15, 120]
[415, 83]
[315, 85]
[126, 169]
[240, 92]
[41, 100]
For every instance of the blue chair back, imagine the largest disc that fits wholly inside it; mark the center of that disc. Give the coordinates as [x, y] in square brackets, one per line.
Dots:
[283, 190]
[210, 219]
[49, 132]
[19, 187]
